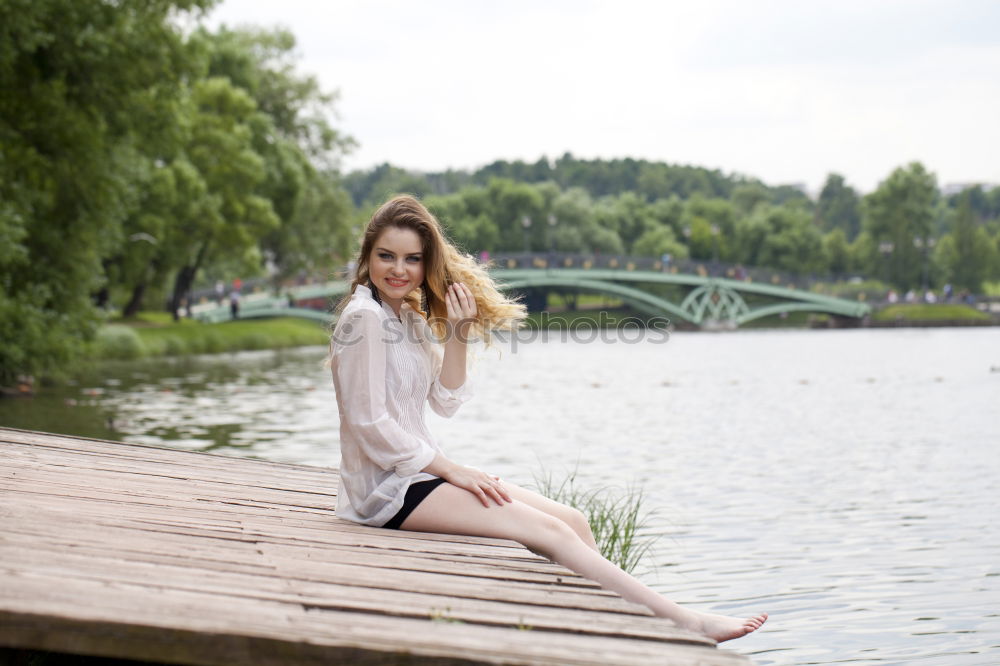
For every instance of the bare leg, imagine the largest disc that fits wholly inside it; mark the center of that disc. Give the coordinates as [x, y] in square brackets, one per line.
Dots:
[572, 517]
[452, 510]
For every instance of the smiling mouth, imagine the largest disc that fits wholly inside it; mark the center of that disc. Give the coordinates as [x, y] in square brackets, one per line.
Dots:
[396, 283]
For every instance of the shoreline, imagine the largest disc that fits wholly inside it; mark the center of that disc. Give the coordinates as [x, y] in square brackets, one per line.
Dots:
[153, 335]
[147, 337]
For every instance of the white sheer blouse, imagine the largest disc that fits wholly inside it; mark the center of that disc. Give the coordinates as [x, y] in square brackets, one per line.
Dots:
[384, 369]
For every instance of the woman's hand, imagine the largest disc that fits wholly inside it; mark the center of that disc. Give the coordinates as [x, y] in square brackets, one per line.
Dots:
[461, 306]
[482, 485]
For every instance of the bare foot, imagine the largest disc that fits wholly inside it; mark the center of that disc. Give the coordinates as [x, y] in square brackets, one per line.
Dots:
[722, 627]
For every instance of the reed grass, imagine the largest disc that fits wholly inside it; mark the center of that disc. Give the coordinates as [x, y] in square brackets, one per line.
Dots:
[615, 515]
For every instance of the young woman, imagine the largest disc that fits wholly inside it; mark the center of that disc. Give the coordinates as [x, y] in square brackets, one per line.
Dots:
[414, 293]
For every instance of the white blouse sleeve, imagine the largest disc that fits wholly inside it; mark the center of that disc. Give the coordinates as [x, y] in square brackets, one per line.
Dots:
[360, 370]
[445, 401]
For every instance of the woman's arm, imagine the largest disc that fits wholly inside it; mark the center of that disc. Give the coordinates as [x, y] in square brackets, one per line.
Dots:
[361, 391]
[461, 313]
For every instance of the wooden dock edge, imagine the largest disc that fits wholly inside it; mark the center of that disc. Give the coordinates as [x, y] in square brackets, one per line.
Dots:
[156, 554]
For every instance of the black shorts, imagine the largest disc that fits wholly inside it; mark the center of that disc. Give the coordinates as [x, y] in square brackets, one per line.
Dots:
[415, 494]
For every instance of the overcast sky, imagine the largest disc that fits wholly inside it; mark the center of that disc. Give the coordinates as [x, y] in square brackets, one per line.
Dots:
[783, 90]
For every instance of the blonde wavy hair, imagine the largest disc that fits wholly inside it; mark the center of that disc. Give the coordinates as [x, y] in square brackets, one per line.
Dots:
[443, 266]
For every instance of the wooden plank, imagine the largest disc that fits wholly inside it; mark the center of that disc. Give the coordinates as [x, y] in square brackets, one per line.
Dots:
[180, 547]
[183, 546]
[219, 469]
[95, 503]
[153, 553]
[336, 532]
[148, 451]
[233, 628]
[258, 556]
[358, 588]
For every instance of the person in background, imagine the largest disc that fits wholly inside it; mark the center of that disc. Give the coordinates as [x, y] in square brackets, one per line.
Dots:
[234, 303]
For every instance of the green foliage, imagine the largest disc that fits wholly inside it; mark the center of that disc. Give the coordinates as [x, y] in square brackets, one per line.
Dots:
[290, 131]
[121, 341]
[991, 289]
[930, 312]
[899, 216]
[472, 232]
[659, 240]
[776, 227]
[966, 256]
[370, 188]
[628, 215]
[709, 225]
[984, 204]
[836, 251]
[747, 197]
[135, 156]
[599, 178]
[781, 237]
[839, 207]
[88, 86]
[616, 518]
[863, 255]
[118, 342]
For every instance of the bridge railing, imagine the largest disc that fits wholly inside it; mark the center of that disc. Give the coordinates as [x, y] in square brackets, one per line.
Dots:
[598, 260]
[704, 268]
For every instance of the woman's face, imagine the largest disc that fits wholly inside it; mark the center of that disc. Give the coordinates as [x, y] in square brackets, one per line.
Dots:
[396, 265]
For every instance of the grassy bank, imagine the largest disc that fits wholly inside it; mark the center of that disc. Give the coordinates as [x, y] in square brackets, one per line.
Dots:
[155, 335]
[928, 312]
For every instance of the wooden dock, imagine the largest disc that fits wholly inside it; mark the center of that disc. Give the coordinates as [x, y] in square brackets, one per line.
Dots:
[156, 554]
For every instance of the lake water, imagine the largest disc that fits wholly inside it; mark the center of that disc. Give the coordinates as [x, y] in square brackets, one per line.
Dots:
[847, 482]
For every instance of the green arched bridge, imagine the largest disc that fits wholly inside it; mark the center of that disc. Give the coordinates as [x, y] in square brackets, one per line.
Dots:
[707, 301]
[700, 300]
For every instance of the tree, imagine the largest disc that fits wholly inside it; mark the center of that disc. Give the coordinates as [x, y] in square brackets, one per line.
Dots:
[899, 216]
[89, 87]
[746, 198]
[863, 256]
[709, 224]
[510, 204]
[231, 216]
[240, 189]
[291, 133]
[781, 237]
[839, 207]
[370, 188]
[659, 241]
[473, 232]
[628, 215]
[836, 251]
[967, 254]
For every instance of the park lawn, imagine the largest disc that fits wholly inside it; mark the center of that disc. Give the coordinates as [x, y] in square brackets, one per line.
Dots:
[929, 312]
[152, 335]
[791, 320]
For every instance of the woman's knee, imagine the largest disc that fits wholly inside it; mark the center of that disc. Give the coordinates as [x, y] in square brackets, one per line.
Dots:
[545, 533]
[578, 521]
